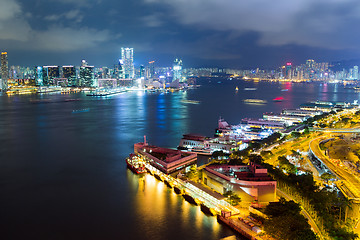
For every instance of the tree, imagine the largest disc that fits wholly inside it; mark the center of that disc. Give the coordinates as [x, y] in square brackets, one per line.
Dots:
[255, 158]
[295, 134]
[327, 176]
[284, 164]
[234, 199]
[217, 154]
[265, 153]
[286, 222]
[306, 131]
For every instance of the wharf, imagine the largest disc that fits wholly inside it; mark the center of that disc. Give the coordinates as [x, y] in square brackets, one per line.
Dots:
[239, 227]
[207, 198]
[216, 195]
[105, 93]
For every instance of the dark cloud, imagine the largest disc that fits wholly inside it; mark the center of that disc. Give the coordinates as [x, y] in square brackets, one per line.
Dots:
[203, 32]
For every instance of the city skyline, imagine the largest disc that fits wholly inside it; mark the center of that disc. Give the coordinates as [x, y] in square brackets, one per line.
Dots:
[236, 34]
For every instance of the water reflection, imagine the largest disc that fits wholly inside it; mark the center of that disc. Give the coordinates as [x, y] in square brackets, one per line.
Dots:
[162, 213]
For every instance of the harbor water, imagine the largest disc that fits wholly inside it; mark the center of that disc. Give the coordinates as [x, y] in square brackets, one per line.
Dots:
[63, 173]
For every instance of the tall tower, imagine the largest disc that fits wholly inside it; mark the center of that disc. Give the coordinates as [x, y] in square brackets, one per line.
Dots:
[177, 70]
[49, 74]
[356, 72]
[4, 71]
[127, 56]
[151, 70]
[288, 73]
[86, 75]
[39, 77]
[69, 73]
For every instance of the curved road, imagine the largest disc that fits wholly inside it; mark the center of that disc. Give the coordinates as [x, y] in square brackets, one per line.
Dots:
[350, 182]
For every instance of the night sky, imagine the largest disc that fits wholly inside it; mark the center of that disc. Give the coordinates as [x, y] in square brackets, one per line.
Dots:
[239, 34]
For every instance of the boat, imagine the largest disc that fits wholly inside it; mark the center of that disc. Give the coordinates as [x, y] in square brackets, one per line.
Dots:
[81, 110]
[284, 90]
[190, 101]
[250, 89]
[253, 100]
[278, 99]
[236, 89]
[134, 163]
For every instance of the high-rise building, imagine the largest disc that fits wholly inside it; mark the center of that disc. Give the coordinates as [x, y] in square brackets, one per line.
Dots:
[49, 73]
[86, 75]
[127, 56]
[177, 70]
[69, 73]
[310, 63]
[288, 73]
[4, 71]
[39, 79]
[119, 70]
[150, 70]
[142, 71]
[356, 73]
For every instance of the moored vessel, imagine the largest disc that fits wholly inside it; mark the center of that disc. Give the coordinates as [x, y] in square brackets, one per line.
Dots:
[256, 101]
[278, 99]
[134, 163]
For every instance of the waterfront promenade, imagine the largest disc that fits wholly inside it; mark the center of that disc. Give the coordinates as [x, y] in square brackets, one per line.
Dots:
[211, 200]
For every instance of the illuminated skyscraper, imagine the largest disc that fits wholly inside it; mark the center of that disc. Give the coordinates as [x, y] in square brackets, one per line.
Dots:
[177, 70]
[69, 73]
[310, 63]
[288, 73]
[49, 73]
[39, 79]
[86, 75]
[127, 56]
[151, 70]
[119, 70]
[4, 71]
[142, 71]
[356, 73]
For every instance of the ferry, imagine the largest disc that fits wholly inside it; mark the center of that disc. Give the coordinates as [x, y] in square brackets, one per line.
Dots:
[81, 110]
[253, 100]
[250, 89]
[190, 101]
[278, 99]
[134, 164]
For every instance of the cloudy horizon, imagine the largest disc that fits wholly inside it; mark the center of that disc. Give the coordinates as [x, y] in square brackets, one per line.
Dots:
[229, 33]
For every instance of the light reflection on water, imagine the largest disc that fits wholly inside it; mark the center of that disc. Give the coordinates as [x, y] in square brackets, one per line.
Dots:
[65, 173]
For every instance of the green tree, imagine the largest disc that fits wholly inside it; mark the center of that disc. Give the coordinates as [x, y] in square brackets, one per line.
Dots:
[255, 158]
[286, 222]
[233, 198]
[327, 176]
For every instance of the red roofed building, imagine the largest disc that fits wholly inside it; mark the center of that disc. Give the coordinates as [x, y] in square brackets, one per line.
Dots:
[251, 182]
[166, 160]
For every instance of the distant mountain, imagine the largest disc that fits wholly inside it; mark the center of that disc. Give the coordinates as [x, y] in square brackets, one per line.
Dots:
[344, 64]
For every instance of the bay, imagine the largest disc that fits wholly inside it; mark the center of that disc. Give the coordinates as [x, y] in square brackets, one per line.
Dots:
[62, 168]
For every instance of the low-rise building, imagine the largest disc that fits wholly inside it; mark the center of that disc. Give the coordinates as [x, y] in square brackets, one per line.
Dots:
[251, 182]
[288, 120]
[301, 112]
[166, 160]
[206, 145]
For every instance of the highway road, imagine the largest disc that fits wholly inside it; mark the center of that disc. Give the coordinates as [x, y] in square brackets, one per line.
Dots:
[350, 181]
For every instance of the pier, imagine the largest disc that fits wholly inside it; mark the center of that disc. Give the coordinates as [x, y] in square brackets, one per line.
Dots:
[208, 201]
